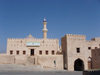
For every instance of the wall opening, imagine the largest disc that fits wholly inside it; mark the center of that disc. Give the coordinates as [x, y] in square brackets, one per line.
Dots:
[46, 52]
[53, 52]
[78, 65]
[32, 52]
[40, 52]
[11, 52]
[24, 52]
[17, 52]
[78, 50]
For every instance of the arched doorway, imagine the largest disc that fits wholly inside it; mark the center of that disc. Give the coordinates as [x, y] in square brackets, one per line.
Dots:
[78, 65]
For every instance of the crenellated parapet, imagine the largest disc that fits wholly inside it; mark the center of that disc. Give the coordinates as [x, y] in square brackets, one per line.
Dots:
[76, 37]
[15, 39]
[37, 39]
[95, 39]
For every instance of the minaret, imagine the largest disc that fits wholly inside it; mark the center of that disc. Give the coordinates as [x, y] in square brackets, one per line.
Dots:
[45, 30]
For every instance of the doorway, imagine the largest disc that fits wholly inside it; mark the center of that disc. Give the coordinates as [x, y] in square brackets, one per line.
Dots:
[78, 65]
[32, 52]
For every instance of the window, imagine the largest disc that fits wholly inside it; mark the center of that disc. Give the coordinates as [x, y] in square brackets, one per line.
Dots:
[89, 48]
[53, 52]
[40, 52]
[78, 50]
[24, 52]
[46, 52]
[17, 52]
[11, 52]
[95, 47]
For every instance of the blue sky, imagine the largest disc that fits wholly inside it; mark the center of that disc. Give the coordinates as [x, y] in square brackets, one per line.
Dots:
[18, 18]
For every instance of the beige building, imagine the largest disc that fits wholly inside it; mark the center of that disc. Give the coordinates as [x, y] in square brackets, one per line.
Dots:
[34, 51]
[77, 51]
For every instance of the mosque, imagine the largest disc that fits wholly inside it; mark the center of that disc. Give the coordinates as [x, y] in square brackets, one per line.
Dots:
[30, 50]
[75, 54]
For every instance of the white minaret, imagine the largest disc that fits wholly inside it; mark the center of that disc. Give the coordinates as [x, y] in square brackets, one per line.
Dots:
[45, 30]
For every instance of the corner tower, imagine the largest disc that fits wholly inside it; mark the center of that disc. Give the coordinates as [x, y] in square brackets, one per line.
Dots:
[45, 30]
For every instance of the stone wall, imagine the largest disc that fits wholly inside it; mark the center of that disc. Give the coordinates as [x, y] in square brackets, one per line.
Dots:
[20, 59]
[96, 58]
[77, 47]
[70, 44]
[15, 45]
[64, 51]
[6, 59]
[54, 62]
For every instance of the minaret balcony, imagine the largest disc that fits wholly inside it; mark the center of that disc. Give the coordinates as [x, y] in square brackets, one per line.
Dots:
[45, 29]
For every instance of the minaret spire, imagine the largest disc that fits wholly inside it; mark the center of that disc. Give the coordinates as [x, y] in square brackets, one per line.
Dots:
[45, 30]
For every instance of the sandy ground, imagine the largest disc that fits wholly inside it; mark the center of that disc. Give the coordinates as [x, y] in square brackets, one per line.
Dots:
[41, 73]
[13, 69]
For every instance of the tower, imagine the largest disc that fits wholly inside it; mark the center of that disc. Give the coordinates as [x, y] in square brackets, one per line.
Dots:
[45, 30]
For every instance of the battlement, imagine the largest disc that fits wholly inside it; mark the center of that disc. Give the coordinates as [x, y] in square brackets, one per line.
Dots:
[30, 39]
[78, 37]
[33, 38]
[95, 39]
[12, 39]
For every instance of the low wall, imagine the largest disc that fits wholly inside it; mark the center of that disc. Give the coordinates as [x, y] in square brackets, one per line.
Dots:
[55, 62]
[25, 60]
[6, 59]
[20, 59]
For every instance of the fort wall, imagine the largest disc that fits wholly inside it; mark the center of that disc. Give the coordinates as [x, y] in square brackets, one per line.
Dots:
[55, 62]
[6, 59]
[95, 58]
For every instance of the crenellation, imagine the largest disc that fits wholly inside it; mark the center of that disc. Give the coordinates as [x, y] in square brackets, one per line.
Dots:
[95, 39]
[76, 37]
